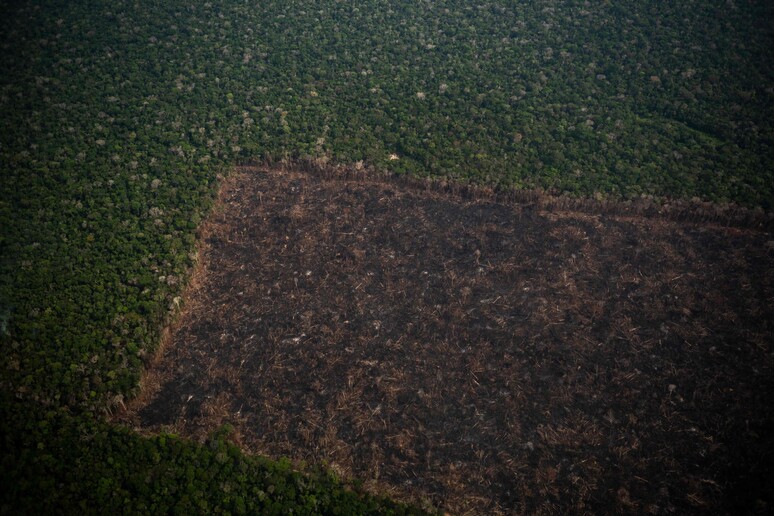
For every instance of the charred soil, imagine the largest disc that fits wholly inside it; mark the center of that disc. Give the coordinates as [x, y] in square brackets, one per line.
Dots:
[480, 356]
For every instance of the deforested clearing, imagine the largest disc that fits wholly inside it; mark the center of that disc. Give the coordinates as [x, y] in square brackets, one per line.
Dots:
[477, 356]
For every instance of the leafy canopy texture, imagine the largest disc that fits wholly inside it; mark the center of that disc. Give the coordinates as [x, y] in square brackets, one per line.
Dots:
[117, 117]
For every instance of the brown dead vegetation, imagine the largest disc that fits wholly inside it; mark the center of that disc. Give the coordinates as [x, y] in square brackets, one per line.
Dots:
[485, 353]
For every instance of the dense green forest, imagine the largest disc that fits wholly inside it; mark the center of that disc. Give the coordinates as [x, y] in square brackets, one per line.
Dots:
[116, 119]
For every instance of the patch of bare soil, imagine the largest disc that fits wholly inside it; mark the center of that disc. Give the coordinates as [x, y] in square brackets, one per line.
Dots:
[484, 357]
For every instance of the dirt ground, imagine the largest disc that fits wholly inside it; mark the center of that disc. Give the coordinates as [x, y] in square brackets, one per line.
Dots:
[478, 356]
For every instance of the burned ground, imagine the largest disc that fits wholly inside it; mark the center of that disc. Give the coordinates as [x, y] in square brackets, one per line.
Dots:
[482, 357]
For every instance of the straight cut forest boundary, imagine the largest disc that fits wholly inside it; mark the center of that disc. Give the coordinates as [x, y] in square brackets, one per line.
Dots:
[681, 210]
[453, 346]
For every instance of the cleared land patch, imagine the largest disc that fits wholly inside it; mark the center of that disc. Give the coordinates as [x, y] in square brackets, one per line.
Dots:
[483, 356]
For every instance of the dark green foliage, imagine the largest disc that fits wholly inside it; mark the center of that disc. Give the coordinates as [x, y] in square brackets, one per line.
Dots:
[117, 117]
[54, 462]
